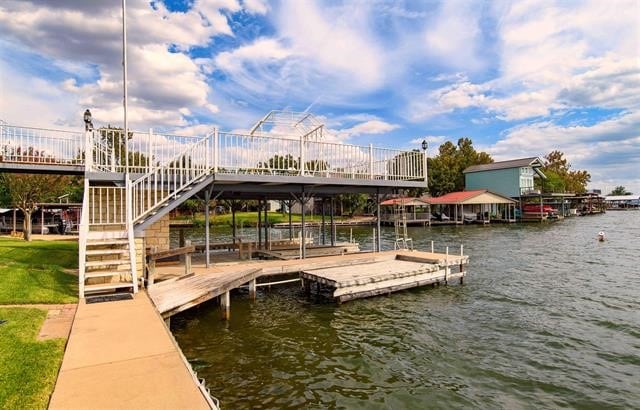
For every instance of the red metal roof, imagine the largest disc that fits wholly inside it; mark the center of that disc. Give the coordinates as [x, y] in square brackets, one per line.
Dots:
[454, 197]
[407, 201]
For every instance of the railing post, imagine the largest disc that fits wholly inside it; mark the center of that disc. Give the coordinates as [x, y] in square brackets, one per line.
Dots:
[216, 149]
[88, 150]
[149, 149]
[371, 161]
[301, 156]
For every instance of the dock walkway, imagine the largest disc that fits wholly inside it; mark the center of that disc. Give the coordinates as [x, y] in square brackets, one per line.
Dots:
[120, 355]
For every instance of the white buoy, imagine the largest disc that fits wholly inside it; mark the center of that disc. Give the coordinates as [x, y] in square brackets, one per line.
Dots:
[601, 236]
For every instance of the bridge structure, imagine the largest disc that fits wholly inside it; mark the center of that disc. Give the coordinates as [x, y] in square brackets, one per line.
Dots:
[133, 180]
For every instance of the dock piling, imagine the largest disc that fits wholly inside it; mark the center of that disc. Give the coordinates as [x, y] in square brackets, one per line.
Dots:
[432, 247]
[252, 289]
[446, 265]
[225, 305]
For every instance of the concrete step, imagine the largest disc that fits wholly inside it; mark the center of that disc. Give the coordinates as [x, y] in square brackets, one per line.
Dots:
[107, 286]
[102, 252]
[110, 262]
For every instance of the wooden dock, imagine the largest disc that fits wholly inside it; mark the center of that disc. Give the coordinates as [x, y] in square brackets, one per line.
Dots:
[176, 295]
[351, 276]
[381, 277]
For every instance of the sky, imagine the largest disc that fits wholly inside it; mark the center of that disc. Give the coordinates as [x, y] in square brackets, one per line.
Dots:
[520, 78]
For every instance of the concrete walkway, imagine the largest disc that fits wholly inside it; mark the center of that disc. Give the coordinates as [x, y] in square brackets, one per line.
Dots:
[120, 355]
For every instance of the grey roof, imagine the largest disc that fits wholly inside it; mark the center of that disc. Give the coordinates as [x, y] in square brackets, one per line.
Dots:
[534, 162]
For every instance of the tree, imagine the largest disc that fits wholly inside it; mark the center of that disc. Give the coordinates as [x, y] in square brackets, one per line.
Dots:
[280, 163]
[446, 169]
[560, 177]
[619, 191]
[26, 191]
[353, 203]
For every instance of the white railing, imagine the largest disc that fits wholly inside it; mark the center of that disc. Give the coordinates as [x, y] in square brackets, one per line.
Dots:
[246, 154]
[166, 182]
[40, 146]
[154, 153]
[107, 206]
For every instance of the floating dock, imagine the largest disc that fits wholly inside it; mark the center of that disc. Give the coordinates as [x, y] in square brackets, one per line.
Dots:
[386, 275]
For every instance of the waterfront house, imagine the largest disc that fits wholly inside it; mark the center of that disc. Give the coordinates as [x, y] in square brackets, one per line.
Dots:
[477, 206]
[513, 178]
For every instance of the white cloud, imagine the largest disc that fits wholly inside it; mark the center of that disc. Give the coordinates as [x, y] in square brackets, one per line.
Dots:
[165, 86]
[452, 37]
[608, 149]
[549, 61]
[368, 128]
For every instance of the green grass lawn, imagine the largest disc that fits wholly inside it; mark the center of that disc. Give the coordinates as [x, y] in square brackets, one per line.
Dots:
[251, 218]
[33, 272]
[28, 368]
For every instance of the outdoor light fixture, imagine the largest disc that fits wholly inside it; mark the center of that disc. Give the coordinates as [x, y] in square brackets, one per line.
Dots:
[88, 125]
[425, 145]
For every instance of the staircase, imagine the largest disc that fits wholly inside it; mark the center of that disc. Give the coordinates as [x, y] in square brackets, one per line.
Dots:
[110, 214]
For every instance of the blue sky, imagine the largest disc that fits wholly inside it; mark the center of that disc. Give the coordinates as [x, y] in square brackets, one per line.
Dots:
[519, 78]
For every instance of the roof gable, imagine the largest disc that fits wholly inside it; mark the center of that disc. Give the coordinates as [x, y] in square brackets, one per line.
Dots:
[534, 162]
[480, 196]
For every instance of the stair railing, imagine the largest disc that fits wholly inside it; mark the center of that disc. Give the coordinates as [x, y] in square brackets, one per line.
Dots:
[166, 182]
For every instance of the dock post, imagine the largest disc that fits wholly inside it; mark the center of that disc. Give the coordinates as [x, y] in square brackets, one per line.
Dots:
[259, 225]
[225, 305]
[303, 248]
[207, 198]
[187, 259]
[252, 289]
[446, 265]
[379, 238]
[324, 242]
[373, 241]
[332, 223]
[431, 246]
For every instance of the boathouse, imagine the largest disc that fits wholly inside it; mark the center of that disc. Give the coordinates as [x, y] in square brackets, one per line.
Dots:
[476, 206]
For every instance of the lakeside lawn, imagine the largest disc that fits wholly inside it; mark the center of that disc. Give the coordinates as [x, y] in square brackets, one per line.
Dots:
[251, 218]
[33, 272]
[28, 368]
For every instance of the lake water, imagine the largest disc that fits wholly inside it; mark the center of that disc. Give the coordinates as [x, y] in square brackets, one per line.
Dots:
[548, 317]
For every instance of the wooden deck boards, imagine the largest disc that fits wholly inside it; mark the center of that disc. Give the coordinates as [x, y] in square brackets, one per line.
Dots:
[171, 297]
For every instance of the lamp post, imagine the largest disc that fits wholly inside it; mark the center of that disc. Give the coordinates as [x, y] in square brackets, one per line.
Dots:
[425, 146]
[88, 125]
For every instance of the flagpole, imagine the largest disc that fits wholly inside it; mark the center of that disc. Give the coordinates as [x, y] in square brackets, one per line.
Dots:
[124, 76]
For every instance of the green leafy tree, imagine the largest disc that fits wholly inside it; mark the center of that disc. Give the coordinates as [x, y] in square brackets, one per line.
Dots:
[446, 169]
[114, 139]
[280, 162]
[619, 191]
[352, 203]
[26, 191]
[560, 175]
